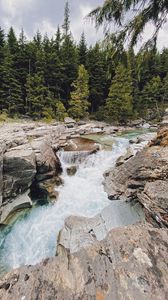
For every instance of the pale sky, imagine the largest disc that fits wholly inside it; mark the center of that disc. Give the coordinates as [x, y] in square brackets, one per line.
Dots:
[45, 15]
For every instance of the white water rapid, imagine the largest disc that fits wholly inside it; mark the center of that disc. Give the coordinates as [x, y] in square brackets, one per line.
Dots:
[33, 237]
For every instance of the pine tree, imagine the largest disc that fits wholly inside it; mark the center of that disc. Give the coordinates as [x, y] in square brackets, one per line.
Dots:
[132, 65]
[66, 25]
[22, 64]
[79, 104]
[61, 112]
[11, 89]
[97, 68]
[152, 96]
[38, 40]
[53, 70]
[12, 42]
[36, 95]
[118, 107]
[2, 55]
[2, 43]
[69, 58]
[82, 50]
[163, 63]
[165, 92]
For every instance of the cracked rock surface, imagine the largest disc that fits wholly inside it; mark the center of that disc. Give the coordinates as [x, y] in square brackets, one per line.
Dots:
[128, 264]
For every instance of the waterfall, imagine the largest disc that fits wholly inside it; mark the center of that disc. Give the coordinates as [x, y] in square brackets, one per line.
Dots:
[33, 237]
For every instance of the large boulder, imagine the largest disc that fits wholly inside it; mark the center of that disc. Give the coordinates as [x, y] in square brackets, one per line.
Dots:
[19, 169]
[80, 232]
[47, 162]
[130, 263]
[69, 122]
[82, 144]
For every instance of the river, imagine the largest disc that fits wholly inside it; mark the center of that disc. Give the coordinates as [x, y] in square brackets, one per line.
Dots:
[33, 235]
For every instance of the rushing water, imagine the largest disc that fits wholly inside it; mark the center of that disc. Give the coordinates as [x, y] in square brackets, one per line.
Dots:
[33, 236]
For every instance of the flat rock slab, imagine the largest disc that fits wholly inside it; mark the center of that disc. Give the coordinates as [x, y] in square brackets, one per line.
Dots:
[131, 263]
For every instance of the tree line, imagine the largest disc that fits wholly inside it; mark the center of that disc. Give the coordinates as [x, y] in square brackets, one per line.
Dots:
[55, 77]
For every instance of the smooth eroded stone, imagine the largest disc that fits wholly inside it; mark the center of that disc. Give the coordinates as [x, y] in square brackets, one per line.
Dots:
[20, 202]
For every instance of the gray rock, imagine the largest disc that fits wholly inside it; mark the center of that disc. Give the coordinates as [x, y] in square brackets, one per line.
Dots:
[130, 263]
[46, 160]
[146, 126]
[19, 169]
[147, 137]
[72, 170]
[21, 202]
[80, 232]
[122, 159]
[80, 123]
[69, 122]
[134, 140]
[1, 175]
[129, 180]
[155, 199]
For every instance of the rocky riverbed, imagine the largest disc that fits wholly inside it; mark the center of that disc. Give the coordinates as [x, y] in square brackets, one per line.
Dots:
[29, 162]
[93, 261]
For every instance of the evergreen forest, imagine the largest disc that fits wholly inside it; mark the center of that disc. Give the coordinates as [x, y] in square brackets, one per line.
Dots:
[51, 78]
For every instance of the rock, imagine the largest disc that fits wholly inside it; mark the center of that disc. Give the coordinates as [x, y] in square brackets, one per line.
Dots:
[130, 263]
[162, 138]
[80, 123]
[82, 144]
[134, 140]
[21, 202]
[80, 232]
[155, 199]
[1, 175]
[69, 122]
[146, 126]
[97, 130]
[45, 191]
[47, 162]
[71, 171]
[130, 180]
[19, 169]
[147, 137]
[122, 159]
[136, 123]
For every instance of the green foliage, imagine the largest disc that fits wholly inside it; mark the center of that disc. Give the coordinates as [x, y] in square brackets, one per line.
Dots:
[11, 89]
[3, 116]
[79, 97]
[66, 25]
[97, 69]
[61, 113]
[35, 74]
[131, 17]
[36, 95]
[152, 96]
[82, 50]
[118, 107]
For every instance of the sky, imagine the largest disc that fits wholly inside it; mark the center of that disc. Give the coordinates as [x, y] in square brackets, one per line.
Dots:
[45, 15]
